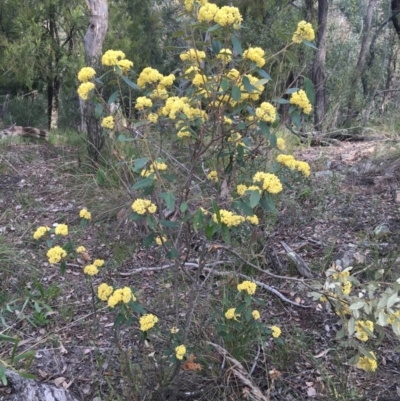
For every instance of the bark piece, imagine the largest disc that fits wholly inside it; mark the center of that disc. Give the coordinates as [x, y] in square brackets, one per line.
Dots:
[298, 261]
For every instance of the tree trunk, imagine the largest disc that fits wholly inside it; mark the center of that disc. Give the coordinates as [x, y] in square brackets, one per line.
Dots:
[93, 43]
[359, 69]
[53, 95]
[318, 72]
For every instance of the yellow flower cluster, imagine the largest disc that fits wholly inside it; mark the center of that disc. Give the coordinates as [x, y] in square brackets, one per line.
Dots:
[112, 57]
[152, 117]
[92, 269]
[84, 214]
[207, 12]
[255, 54]
[346, 288]
[213, 176]
[149, 76]
[368, 364]
[227, 120]
[160, 240]
[159, 93]
[80, 249]
[199, 79]
[125, 65]
[231, 314]
[104, 291]
[255, 314]
[227, 16]
[266, 112]
[55, 254]
[183, 133]
[123, 295]
[241, 189]
[253, 219]
[300, 100]
[269, 182]
[175, 105]
[361, 333]
[142, 102]
[304, 31]
[394, 317]
[280, 144]
[86, 74]
[159, 166]
[290, 162]
[84, 89]
[147, 322]
[61, 229]
[225, 55]
[180, 352]
[40, 231]
[166, 82]
[276, 331]
[228, 218]
[193, 55]
[247, 286]
[143, 206]
[341, 276]
[108, 122]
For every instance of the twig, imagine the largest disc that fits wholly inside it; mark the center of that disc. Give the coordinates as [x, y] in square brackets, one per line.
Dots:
[255, 360]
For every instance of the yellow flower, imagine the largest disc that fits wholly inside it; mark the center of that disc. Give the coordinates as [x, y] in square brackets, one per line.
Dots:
[287, 160]
[341, 276]
[61, 229]
[368, 364]
[199, 79]
[255, 54]
[227, 16]
[228, 218]
[161, 240]
[84, 214]
[113, 300]
[300, 100]
[143, 206]
[207, 12]
[280, 144]
[167, 81]
[189, 5]
[255, 314]
[40, 231]
[266, 112]
[125, 65]
[361, 333]
[241, 189]
[346, 288]
[230, 314]
[213, 176]
[104, 291]
[247, 286]
[153, 118]
[86, 74]
[127, 295]
[270, 182]
[147, 322]
[55, 254]
[225, 55]
[91, 270]
[84, 89]
[183, 133]
[149, 76]
[276, 331]
[253, 219]
[303, 167]
[112, 57]
[227, 120]
[193, 55]
[304, 31]
[142, 102]
[159, 93]
[393, 317]
[98, 262]
[108, 122]
[180, 352]
[80, 249]
[174, 330]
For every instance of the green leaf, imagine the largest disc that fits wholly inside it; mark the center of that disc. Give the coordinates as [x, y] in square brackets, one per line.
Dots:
[216, 46]
[241, 307]
[151, 222]
[309, 89]
[236, 93]
[183, 207]
[281, 101]
[100, 176]
[261, 82]
[169, 224]
[264, 127]
[216, 211]
[169, 199]
[210, 230]
[172, 254]
[198, 220]
[212, 29]
[283, 36]
[292, 57]
[178, 33]
[138, 308]
[63, 267]
[272, 140]
[248, 86]
[147, 182]
[254, 198]
[243, 205]
[236, 44]
[24, 355]
[121, 138]
[130, 83]
[148, 240]
[113, 97]
[98, 110]
[226, 234]
[8, 339]
[139, 163]
[264, 74]
[309, 44]
[224, 84]
[267, 203]
[291, 90]
[296, 119]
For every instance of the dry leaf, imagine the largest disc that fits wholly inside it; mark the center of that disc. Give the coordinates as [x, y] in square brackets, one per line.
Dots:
[274, 374]
[190, 364]
[311, 392]
[59, 381]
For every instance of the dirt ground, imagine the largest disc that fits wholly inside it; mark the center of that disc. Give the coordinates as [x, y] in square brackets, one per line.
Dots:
[348, 213]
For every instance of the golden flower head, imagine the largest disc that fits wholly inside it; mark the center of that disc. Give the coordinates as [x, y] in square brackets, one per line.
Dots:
[91, 270]
[86, 74]
[304, 31]
[84, 214]
[143, 206]
[276, 331]
[368, 364]
[231, 314]
[80, 249]
[247, 286]
[104, 291]
[98, 262]
[255, 314]
[61, 229]
[40, 231]
[55, 254]
[180, 352]
[84, 89]
[147, 322]
[112, 57]
[108, 122]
